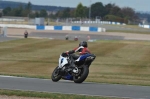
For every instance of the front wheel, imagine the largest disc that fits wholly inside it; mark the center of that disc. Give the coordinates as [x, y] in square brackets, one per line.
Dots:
[55, 75]
[82, 76]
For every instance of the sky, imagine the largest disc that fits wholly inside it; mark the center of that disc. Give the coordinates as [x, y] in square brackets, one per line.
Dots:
[137, 5]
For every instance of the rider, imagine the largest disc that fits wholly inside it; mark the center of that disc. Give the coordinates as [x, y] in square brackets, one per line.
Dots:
[82, 49]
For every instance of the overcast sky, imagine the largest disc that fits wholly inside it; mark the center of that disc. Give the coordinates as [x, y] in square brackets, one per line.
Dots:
[138, 5]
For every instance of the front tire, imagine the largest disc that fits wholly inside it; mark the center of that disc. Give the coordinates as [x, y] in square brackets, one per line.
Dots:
[83, 75]
[55, 75]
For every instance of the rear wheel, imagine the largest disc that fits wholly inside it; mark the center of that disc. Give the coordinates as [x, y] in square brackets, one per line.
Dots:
[82, 76]
[55, 75]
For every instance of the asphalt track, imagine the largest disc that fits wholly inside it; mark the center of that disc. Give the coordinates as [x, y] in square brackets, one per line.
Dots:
[69, 87]
[93, 35]
[71, 36]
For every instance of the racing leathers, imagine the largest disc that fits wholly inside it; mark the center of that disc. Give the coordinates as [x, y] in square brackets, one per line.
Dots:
[82, 50]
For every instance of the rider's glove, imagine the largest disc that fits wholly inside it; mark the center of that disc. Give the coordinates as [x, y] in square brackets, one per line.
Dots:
[65, 54]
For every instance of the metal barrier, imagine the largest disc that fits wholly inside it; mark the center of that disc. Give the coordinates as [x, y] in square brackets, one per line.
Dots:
[61, 28]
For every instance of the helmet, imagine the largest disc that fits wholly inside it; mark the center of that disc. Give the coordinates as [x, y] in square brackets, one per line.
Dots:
[83, 43]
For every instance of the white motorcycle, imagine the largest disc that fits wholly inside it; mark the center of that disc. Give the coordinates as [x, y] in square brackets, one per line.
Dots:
[78, 73]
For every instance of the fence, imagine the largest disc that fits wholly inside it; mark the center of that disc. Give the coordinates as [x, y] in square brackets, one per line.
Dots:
[98, 22]
[17, 20]
[50, 21]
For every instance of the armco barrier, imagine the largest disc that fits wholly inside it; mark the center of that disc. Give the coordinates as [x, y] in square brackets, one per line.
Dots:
[49, 27]
[68, 28]
[94, 29]
[58, 27]
[84, 28]
[40, 27]
[76, 28]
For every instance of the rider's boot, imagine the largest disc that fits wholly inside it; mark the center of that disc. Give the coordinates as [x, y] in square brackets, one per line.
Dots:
[74, 68]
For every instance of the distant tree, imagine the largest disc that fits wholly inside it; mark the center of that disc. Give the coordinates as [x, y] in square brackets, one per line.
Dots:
[43, 13]
[72, 13]
[114, 18]
[59, 14]
[52, 16]
[6, 11]
[37, 14]
[66, 13]
[25, 13]
[80, 12]
[20, 10]
[115, 10]
[108, 8]
[29, 6]
[13, 12]
[28, 9]
[1, 14]
[97, 9]
[129, 13]
[86, 9]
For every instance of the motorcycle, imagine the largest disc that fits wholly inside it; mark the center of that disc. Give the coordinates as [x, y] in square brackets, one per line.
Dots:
[78, 73]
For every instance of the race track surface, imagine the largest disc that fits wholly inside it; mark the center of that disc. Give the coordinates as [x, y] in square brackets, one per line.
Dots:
[71, 36]
[69, 87]
[82, 35]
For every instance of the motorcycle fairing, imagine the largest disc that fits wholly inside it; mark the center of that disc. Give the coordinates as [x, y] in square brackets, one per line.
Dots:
[82, 57]
[62, 61]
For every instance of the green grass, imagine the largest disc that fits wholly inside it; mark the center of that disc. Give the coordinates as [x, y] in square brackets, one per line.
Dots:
[129, 29]
[48, 95]
[117, 62]
[126, 26]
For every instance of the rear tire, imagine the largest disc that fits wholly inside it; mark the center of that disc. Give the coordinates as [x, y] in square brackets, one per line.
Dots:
[82, 76]
[55, 75]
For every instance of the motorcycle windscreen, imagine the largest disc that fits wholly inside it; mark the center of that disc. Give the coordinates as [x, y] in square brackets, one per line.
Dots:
[82, 57]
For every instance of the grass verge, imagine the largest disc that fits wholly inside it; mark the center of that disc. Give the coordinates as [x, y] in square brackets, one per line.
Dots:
[129, 31]
[117, 62]
[48, 95]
